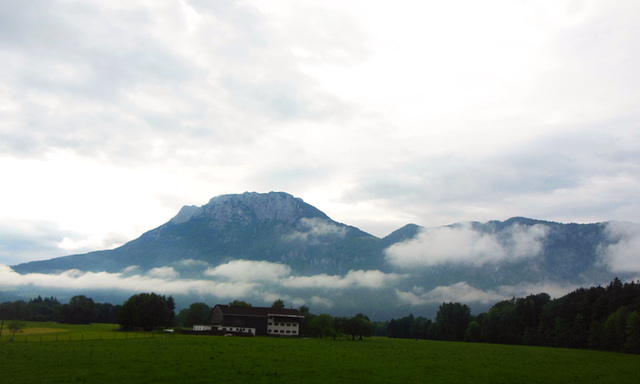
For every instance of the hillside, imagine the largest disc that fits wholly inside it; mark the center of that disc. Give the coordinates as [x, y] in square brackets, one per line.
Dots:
[259, 247]
[273, 227]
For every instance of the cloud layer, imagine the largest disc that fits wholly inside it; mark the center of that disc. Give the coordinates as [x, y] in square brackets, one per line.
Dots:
[260, 280]
[372, 113]
[465, 245]
[160, 280]
[465, 293]
[316, 227]
[622, 253]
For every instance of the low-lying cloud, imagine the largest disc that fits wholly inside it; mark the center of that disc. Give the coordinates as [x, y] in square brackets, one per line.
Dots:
[249, 270]
[321, 302]
[316, 227]
[159, 280]
[164, 273]
[354, 278]
[622, 253]
[465, 293]
[465, 245]
[235, 279]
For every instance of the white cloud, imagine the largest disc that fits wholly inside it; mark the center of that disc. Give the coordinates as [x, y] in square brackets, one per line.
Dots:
[191, 263]
[458, 292]
[131, 268]
[465, 245]
[248, 270]
[79, 280]
[622, 253]
[321, 302]
[465, 293]
[101, 241]
[167, 273]
[316, 227]
[354, 278]
[525, 241]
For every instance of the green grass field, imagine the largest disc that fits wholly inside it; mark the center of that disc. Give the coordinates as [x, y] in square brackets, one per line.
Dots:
[97, 358]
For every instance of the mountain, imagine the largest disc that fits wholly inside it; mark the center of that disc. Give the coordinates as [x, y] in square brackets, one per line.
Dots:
[259, 247]
[274, 227]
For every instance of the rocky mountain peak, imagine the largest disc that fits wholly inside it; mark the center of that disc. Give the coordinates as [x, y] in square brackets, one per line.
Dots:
[250, 207]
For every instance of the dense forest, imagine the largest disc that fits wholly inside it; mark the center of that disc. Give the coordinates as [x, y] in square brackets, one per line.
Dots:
[79, 310]
[606, 318]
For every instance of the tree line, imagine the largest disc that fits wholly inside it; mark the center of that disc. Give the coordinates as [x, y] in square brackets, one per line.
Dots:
[149, 311]
[604, 318]
[327, 326]
[80, 310]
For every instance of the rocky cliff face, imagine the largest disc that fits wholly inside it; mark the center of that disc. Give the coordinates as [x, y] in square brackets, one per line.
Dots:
[249, 207]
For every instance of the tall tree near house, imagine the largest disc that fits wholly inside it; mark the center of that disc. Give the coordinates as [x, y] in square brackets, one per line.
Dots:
[198, 313]
[278, 304]
[80, 310]
[452, 320]
[145, 310]
[632, 343]
[171, 304]
[239, 303]
[305, 324]
[359, 325]
[322, 326]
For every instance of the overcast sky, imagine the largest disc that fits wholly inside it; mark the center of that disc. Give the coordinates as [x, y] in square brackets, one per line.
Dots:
[114, 114]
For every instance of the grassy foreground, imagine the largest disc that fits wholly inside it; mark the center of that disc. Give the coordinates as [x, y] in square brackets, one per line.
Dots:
[209, 359]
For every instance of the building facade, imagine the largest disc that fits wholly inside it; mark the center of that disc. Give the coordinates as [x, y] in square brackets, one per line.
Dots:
[256, 320]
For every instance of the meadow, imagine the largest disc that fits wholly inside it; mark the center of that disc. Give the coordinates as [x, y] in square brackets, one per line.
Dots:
[98, 354]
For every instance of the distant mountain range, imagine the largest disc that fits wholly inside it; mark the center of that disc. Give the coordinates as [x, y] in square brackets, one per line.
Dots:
[260, 247]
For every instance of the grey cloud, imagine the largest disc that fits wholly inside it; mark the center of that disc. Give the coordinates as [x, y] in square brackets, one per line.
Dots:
[321, 301]
[192, 263]
[103, 81]
[278, 100]
[25, 240]
[543, 178]
[71, 77]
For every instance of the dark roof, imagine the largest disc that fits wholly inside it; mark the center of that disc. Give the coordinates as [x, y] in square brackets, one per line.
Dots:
[240, 310]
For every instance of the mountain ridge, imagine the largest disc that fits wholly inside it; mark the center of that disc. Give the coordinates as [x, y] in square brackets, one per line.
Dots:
[261, 246]
[220, 230]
